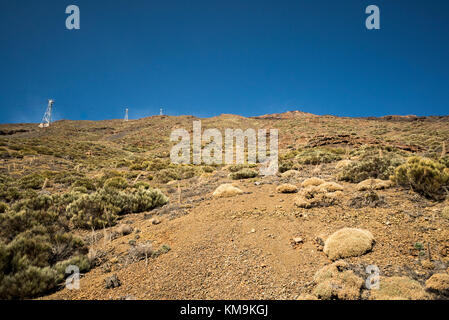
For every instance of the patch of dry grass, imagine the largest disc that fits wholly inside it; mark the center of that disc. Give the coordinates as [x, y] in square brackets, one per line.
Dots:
[348, 242]
[226, 190]
[337, 281]
[399, 288]
[287, 188]
[373, 184]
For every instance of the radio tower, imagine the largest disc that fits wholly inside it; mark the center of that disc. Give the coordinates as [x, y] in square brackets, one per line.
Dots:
[46, 120]
[161, 113]
[126, 114]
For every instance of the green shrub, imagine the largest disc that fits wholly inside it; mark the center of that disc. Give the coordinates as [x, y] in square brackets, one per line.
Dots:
[208, 169]
[28, 282]
[138, 166]
[3, 207]
[93, 211]
[101, 208]
[107, 175]
[285, 166]
[142, 184]
[146, 199]
[9, 194]
[167, 175]
[370, 167]
[157, 164]
[32, 181]
[239, 167]
[81, 261]
[319, 155]
[38, 202]
[85, 183]
[424, 176]
[31, 245]
[118, 183]
[243, 174]
[445, 161]
[175, 173]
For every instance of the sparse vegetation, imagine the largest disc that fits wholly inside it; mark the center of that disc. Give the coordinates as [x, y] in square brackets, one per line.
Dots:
[66, 192]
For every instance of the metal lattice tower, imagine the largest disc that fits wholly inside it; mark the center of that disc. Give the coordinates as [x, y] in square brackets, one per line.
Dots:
[126, 114]
[46, 120]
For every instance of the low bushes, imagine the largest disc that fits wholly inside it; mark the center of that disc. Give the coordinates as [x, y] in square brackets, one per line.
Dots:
[319, 155]
[175, 173]
[376, 167]
[118, 183]
[243, 174]
[239, 167]
[93, 211]
[87, 183]
[425, 176]
[3, 207]
[34, 244]
[32, 181]
[101, 209]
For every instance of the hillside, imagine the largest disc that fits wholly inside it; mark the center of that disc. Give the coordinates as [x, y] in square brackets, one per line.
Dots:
[87, 193]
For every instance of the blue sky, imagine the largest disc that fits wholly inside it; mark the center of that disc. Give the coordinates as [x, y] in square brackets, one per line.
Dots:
[247, 57]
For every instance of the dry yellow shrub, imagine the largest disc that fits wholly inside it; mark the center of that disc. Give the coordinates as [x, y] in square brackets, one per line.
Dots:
[330, 187]
[337, 281]
[374, 184]
[287, 188]
[312, 182]
[348, 242]
[290, 174]
[342, 164]
[322, 195]
[398, 288]
[226, 190]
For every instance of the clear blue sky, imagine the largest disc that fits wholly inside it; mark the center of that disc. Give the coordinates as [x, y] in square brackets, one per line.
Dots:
[247, 57]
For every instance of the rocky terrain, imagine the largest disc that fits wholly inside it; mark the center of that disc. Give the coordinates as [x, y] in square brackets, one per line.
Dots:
[351, 195]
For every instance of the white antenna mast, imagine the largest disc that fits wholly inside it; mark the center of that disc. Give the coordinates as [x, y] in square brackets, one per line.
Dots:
[126, 114]
[46, 120]
[161, 113]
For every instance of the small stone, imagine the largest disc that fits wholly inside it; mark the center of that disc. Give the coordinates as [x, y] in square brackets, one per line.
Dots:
[253, 230]
[112, 282]
[155, 221]
[298, 240]
[319, 241]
